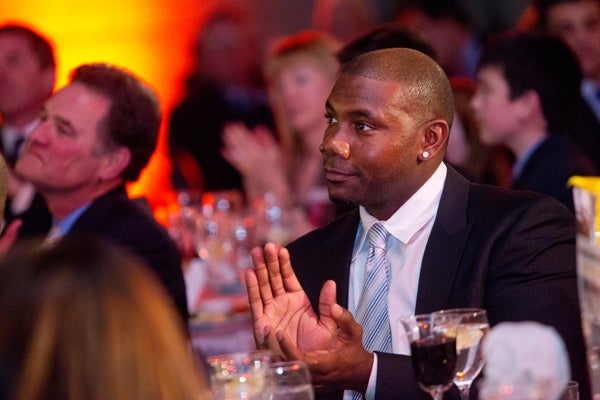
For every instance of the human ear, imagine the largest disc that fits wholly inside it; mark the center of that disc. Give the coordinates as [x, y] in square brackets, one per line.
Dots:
[115, 162]
[434, 139]
[529, 103]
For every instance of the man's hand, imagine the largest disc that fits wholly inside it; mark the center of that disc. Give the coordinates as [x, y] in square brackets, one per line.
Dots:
[284, 321]
[279, 304]
[345, 364]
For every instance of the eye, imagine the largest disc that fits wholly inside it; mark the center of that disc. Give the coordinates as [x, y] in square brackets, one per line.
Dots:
[63, 127]
[331, 119]
[361, 126]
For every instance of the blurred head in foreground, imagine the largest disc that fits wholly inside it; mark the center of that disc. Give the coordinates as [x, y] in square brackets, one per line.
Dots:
[82, 320]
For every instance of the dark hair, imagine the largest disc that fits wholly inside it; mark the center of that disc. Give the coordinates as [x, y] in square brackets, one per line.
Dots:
[133, 120]
[543, 6]
[41, 46]
[383, 37]
[541, 63]
[437, 9]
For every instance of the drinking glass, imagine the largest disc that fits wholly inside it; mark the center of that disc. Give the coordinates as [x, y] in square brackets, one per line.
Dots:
[432, 340]
[470, 334]
[242, 376]
[571, 391]
[291, 381]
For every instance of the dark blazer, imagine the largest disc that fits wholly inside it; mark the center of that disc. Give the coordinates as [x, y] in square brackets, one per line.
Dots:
[510, 252]
[129, 223]
[551, 165]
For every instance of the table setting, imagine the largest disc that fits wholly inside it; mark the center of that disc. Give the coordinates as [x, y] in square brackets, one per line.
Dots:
[254, 375]
[510, 361]
[519, 360]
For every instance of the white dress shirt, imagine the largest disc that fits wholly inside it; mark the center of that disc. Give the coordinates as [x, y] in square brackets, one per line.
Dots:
[10, 135]
[589, 91]
[409, 229]
[21, 200]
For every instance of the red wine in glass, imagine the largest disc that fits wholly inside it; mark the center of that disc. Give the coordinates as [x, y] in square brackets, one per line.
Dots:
[434, 361]
[432, 339]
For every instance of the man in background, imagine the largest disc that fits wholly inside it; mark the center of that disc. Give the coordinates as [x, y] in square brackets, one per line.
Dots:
[95, 135]
[577, 22]
[27, 75]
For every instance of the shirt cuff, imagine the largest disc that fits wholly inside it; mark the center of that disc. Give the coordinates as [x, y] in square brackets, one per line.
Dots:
[370, 393]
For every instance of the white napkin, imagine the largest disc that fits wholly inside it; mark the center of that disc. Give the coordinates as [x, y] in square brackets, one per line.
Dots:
[196, 278]
[524, 361]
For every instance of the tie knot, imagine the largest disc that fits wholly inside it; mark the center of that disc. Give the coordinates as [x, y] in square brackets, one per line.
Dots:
[378, 236]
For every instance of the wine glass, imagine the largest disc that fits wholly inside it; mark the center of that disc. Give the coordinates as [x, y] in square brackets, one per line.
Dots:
[470, 334]
[242, 375]
[291, 381]
[432, 340]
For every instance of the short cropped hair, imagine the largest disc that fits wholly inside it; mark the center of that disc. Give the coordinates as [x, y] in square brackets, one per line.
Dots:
[133, 120]
[427, 86]
[40, 45]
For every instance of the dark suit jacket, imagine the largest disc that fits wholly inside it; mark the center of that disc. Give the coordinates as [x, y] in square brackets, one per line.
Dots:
[551, 165]
[128, 223]
[510, 252]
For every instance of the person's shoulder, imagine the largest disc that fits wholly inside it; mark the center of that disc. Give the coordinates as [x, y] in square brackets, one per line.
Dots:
[497, 201]
[115, 212]
[330, 234]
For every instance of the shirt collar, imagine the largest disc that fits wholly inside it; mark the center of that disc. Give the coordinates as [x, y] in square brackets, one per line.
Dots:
[65, 224]
[520, 162]
[10, 133]
[589, 87]
[420, 208]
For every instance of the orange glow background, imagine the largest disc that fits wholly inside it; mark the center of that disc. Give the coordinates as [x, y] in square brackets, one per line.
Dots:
[152, 38]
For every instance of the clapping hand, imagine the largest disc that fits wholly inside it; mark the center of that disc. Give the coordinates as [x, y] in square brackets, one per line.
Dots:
[284, 321]
[279, 304]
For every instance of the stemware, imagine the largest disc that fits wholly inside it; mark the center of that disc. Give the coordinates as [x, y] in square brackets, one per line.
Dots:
[291, 381]
[470, 334]
[432, 340]
[242, 375]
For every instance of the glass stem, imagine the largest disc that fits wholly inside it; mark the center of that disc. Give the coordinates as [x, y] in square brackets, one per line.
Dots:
[438, 394]
[464, 392]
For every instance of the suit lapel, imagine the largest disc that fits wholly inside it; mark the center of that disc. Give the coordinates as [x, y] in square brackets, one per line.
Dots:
[342, 258]
[445, 245]
[98, 211]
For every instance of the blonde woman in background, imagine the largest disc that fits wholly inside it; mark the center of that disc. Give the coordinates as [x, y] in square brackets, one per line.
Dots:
[300, 71]
[82, 320]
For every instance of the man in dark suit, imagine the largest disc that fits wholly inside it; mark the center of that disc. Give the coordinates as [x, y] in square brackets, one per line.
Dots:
[451, 243]
[96, 134]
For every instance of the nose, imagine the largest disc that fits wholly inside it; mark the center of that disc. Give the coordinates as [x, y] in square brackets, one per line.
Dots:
[39, 133]
[341, 148]
[335, 146]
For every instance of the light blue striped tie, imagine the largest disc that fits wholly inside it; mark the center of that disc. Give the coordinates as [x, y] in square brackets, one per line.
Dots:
[372, 309]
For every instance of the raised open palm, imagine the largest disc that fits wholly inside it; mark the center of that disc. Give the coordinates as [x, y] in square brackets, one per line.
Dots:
[279, 304]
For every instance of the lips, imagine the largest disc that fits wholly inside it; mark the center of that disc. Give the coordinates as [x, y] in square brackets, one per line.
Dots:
[336, 174]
